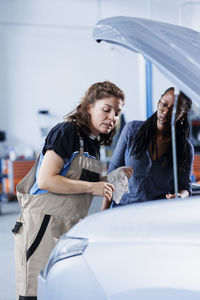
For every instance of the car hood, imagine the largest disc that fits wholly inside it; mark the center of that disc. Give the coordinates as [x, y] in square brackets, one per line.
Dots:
[176, 219]
[173, 49]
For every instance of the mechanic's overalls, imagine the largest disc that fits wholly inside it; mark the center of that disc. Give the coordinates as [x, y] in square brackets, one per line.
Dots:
[44, 218]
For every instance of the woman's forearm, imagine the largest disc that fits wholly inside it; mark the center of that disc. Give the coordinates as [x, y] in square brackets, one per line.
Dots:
[105, 203]
[49, 179]
[63, 185]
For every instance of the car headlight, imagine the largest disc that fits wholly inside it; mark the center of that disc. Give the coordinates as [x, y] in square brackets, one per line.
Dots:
[65, 247]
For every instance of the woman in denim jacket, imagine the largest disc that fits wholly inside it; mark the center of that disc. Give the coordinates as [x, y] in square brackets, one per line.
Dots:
[146, 146]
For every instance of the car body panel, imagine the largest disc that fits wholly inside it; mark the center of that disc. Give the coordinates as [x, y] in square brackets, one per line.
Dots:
[178, 219]
[70, 277]
[156, 243]
[146, 248]
[144, 266]
[172, 49]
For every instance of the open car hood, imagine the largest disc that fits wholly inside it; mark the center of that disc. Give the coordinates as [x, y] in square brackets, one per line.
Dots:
[173, 49]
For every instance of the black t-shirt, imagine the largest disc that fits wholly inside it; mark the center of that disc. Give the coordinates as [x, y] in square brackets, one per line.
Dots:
[64, 140]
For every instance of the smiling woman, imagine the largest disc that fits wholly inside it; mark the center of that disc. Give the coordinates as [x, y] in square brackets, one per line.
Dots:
[58, 191]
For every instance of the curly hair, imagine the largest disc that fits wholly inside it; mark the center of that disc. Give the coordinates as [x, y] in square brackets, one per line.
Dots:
[147, 133]
[80, 116]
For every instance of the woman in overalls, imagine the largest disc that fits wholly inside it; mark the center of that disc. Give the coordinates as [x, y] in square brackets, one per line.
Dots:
[57, 192]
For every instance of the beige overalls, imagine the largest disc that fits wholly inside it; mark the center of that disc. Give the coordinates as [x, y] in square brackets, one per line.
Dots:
[44, 218]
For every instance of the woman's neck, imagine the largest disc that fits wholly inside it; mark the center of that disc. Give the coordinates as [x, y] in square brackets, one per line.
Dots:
[159, 145]
[165, 133]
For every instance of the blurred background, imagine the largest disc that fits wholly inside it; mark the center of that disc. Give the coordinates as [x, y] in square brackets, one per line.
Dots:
[48, 59]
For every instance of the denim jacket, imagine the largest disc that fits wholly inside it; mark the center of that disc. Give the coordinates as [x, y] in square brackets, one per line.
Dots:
[151, 179]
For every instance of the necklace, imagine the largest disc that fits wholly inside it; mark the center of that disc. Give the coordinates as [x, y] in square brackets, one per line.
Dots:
[166, 139]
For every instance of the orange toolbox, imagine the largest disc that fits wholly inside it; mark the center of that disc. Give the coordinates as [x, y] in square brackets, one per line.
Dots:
[196, 167]
[13, 172]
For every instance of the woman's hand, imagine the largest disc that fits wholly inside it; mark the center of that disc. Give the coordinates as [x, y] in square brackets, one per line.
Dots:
[107, 199]
[182, 194]
[128, 171]
[104, 189]
[171, 196]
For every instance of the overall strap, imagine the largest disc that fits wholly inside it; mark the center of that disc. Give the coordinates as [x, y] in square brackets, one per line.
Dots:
[98, 149]
[98, 155]
[81, 143]
[81, 149]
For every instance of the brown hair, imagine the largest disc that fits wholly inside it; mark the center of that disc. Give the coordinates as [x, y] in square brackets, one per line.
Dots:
[80, 116]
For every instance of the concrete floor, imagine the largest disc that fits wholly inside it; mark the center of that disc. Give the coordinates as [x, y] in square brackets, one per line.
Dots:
[9, 214]
[8, 217]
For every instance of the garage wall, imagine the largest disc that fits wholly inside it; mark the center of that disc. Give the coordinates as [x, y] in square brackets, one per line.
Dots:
[48, 59]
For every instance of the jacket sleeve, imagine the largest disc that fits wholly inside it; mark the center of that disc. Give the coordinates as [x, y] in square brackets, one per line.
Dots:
[61, 140]
[185, 177]
[118, 157]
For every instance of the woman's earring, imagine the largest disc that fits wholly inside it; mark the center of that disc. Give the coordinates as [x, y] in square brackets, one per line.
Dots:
[182, 120]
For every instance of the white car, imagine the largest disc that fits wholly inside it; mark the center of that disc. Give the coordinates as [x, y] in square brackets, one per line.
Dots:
[148, 250]
[143, 251]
